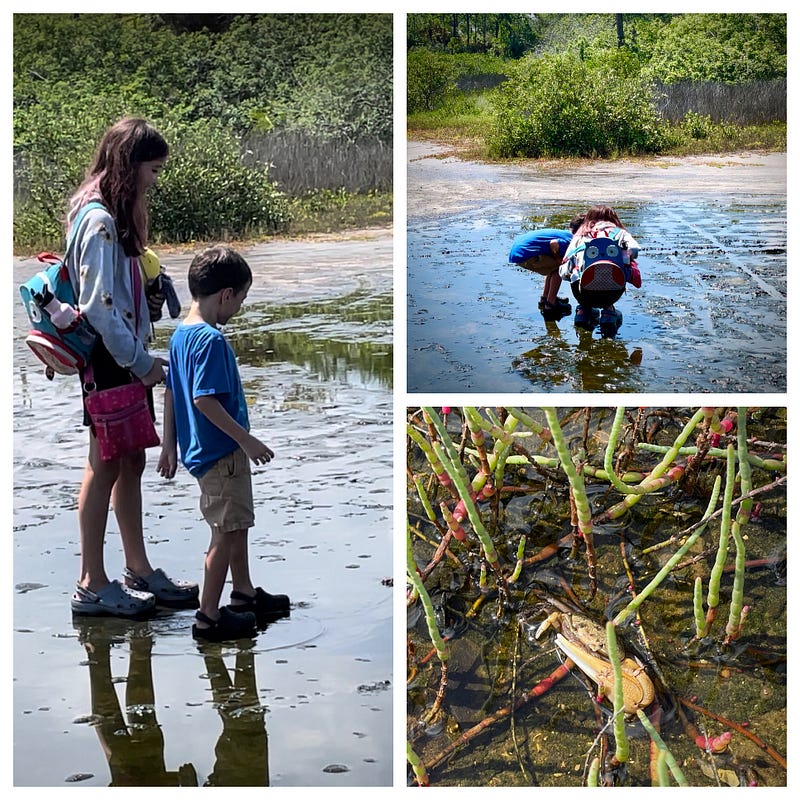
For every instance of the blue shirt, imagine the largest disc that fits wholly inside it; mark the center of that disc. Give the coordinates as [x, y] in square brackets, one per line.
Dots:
[202, 363]
[537, 243]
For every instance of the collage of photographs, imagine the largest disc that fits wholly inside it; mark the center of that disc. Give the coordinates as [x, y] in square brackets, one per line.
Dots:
[359, 346]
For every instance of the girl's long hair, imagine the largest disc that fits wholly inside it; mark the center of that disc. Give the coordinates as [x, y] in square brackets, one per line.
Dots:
[598, 214]
[112, 178]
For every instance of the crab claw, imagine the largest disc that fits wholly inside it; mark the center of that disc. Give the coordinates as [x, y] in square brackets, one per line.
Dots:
[637, 688]
[548, 623]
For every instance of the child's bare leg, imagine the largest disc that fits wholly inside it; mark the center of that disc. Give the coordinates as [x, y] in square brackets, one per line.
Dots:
[240, 563]
[551, 285]
[215, 571]
[98, 482]
[126, 497]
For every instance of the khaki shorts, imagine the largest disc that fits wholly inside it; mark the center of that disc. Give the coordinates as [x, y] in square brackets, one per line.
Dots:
[541, 265]
[226, 494]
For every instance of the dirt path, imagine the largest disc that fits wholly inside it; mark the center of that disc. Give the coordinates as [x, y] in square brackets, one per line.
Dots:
[439, 181]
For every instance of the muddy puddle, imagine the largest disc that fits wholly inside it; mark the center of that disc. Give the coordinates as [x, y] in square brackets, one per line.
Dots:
[511, 712]
[710, 316]
[310, 703]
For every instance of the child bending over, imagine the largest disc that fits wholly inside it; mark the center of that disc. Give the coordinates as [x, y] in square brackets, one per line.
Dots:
[601, 289]
[542, 251]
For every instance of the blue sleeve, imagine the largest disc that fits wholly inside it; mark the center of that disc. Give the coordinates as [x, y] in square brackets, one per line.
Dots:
[211, 375]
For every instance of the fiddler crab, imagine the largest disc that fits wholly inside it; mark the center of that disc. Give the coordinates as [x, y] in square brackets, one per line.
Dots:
[583, 641]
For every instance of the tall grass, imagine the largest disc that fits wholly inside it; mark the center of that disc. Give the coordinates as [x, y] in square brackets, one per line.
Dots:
[751, 103]
[302, 162]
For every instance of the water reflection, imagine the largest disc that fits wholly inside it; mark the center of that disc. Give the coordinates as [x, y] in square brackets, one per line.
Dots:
[592, 365]
[133, 742]
[241, 750]
[348, 339]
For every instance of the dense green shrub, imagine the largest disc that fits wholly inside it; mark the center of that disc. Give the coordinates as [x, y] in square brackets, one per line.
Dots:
[724, 48]
[565, 106]
[55, 134]
[207, 191]
[430, 80]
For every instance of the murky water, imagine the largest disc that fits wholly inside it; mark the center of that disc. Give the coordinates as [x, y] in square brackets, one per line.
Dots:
[310, 704]
[495, 661]
[710, 316]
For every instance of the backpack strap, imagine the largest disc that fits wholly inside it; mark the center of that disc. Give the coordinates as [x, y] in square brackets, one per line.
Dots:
[82, 212]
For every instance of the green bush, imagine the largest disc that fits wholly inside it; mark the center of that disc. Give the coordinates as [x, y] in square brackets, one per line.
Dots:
[697, 126]
[431, 80]
[564, 106]
[55, 134]
[722, 48]
[205, 191]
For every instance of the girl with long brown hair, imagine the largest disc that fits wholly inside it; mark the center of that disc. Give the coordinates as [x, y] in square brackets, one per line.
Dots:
[600, 227]
[107, 241]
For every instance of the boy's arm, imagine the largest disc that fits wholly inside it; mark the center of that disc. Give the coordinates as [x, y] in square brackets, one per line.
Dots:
[168, 460]
[213, 410]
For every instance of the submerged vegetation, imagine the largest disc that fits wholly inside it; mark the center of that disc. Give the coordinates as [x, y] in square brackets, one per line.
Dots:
[277, 123]
[651, 543]
[589, 85]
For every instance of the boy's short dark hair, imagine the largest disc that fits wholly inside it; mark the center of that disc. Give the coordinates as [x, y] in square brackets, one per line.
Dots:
[216, 268]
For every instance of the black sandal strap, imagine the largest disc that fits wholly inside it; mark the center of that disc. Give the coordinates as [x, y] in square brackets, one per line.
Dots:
[206, 620]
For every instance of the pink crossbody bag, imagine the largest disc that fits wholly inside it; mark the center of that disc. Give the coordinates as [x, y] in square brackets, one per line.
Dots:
[120, 416]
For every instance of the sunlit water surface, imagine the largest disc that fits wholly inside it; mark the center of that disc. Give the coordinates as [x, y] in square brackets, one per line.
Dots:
[310, 702]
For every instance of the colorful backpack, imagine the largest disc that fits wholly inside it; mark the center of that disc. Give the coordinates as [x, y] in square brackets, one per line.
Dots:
[604, 268]
[59, 337]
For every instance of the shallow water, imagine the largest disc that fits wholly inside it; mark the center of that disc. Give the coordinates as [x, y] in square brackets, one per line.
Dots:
[310, 704]
[494, 659]
[710, 316]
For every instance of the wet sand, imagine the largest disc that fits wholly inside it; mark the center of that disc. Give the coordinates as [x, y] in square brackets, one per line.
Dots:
[310, 703]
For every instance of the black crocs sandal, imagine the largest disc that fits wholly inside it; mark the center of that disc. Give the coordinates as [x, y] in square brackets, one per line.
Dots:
[167, 592]
[266, 607]
[553, 313]
[560, 301]
[228, 627]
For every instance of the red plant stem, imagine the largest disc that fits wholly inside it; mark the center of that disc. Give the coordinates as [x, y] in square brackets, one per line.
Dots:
[438, 555]
[738, 728]
[537, 691]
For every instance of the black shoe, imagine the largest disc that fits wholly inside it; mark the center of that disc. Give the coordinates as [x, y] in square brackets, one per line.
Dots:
[229, 626]
[586, 317]
[553, 313]
[610, 322]
[266, 607]
[560, 301]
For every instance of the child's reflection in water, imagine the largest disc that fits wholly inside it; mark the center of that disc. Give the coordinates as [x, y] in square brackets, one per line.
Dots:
[135, 749]
[242, 746]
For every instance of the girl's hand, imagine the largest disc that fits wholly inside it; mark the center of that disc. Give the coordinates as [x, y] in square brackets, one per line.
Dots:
[156, 374]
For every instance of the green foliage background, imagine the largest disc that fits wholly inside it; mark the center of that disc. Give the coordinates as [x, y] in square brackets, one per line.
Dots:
[598, 84]
[215, 85]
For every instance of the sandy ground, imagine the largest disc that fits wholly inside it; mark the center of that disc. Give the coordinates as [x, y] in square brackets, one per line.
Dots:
[444, 181]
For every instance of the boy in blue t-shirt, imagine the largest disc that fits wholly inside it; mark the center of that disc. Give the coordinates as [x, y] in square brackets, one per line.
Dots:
[205, 416]
[542, 251]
